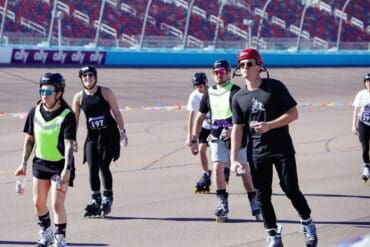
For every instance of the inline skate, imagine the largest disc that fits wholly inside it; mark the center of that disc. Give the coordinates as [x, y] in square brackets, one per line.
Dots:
[255, 208]
[222, 208]
[93, 207]
[106, 204]
[366, 173]
[202, 186]
[46, 237]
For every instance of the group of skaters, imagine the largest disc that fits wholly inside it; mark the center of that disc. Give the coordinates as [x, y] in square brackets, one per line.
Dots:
[246, 129]
[50, 131]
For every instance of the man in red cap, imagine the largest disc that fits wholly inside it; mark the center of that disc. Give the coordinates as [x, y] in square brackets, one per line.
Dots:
[263, 110]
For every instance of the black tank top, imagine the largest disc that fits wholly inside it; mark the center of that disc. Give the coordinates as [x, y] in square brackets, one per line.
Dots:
[97, 112]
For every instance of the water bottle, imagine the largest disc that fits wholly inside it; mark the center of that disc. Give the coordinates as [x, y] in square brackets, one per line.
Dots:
[240, 170]
[20, 185]
[58, 183]
[123, 142]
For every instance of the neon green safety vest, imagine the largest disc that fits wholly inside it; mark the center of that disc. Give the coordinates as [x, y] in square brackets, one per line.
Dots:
[219, 100]
[46, 135]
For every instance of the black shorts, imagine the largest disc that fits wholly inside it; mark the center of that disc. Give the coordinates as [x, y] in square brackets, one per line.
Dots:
[203, 136]
[42, 169]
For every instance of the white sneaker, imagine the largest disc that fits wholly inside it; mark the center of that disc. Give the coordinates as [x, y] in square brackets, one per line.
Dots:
[46, 237]
[60, 240]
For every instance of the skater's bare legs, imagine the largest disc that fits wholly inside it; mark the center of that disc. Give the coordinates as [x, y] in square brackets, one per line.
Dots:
[219, 175]
[203, 156]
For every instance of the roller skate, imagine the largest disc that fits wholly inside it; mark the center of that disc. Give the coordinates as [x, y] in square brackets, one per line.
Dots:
[255, 208]
[222, 208]
[46, 237]
[106, 204]
[227, 174]
[202, 186]
[366, 173]
[93, 207]
[309, 230]
[60, 240]
[274, 237]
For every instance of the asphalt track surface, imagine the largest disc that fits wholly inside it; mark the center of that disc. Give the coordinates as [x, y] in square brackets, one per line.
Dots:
[154, 203]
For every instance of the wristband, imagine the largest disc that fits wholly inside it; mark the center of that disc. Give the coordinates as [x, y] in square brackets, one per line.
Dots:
[194, 141]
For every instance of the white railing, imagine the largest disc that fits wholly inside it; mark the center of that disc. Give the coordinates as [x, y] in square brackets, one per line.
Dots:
[277, 21]
[106, 29]
[198, 11]
[182, 3]
[63, 7]
[324, 6]
[357, 23]
[33, 26]
[340, 14]
[129, 39]
[294, 29]
[168, 29]
[81, 16]
[261, 13]
[9, 14]
[237, 31]
[195, 42]
[128, 9]
[214, 19]
[318, 42]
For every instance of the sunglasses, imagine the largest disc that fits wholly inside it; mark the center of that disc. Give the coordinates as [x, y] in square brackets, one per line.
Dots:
[219, 72]
[46, 92]
[88, 75]
[246, 64]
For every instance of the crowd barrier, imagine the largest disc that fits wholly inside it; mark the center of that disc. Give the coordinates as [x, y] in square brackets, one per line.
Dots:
[71, 56]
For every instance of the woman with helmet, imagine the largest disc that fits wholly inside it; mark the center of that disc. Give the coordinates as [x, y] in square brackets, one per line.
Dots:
[200, 85]
[263, 110]
[105, 131]
[50, 130]
[361, 124]
[217, 101]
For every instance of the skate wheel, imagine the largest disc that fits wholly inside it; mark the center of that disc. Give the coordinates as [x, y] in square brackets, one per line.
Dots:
[221, 219]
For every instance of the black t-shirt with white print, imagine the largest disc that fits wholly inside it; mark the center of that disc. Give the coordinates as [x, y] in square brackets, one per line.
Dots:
[268, 102]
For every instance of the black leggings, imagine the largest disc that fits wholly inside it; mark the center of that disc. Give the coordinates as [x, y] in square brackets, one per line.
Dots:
[262, 173]
[364, 137]
[97, 163]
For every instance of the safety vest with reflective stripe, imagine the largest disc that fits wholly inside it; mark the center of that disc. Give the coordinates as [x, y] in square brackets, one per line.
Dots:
[219, 100]
[46, 135]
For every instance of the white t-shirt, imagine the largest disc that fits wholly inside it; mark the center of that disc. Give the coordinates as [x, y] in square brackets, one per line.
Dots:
[362, 100]
[193, 105]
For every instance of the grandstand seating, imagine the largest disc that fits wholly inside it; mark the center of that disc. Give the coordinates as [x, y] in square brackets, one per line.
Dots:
[126, 18]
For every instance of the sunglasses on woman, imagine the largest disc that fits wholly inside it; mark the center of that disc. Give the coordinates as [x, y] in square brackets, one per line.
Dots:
[46, 92]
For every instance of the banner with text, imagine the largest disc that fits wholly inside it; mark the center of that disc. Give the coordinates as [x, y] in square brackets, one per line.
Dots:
[55, 57]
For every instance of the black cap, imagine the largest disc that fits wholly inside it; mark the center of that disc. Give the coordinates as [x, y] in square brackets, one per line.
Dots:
[367, 77]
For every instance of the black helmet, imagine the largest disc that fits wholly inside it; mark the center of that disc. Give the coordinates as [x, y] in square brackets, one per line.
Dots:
[200, 78]
[54, 79]
[85, 69]
[367, 77]
[221, 64]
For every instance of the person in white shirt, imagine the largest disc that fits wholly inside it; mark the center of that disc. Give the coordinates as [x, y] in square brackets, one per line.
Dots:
[200, 85]
[361, 124]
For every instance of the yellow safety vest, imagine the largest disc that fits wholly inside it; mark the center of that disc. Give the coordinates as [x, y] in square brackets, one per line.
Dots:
[46, 135]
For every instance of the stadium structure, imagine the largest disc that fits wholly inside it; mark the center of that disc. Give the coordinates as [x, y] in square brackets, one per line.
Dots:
[214, 24]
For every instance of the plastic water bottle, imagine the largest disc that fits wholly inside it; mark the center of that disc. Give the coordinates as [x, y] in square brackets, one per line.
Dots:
[20, 185]
[240, 170]
[123, 142]
[58, 183]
